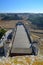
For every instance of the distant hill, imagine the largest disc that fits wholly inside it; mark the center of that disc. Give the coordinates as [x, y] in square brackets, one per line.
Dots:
[36, 19]
[10, 17]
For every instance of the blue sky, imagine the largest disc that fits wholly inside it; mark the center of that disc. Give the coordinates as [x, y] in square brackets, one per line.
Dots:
[22, 6]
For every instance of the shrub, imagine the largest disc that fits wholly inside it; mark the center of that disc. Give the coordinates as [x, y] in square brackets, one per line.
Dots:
[2, 32]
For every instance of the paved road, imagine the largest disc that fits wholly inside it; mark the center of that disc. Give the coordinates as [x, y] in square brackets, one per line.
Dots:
[21, 42]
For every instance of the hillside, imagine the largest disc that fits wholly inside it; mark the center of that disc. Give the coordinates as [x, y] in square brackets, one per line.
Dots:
[36, 20]
[10, 17]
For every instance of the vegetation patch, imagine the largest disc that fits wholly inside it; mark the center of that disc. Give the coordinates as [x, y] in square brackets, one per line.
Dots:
[36, 19]
[2, 32]
[11, 17]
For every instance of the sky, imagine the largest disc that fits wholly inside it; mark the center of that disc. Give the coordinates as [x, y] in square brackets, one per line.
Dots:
[21, 6]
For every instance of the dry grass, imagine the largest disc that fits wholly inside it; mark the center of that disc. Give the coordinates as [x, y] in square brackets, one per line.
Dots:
[38, 38]
[22, 60]
[10, 24]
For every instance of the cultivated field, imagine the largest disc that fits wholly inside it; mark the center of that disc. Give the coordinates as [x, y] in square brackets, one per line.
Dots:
[10, 23]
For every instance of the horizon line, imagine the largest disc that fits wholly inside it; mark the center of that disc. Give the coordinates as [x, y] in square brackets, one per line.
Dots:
[21, 12]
